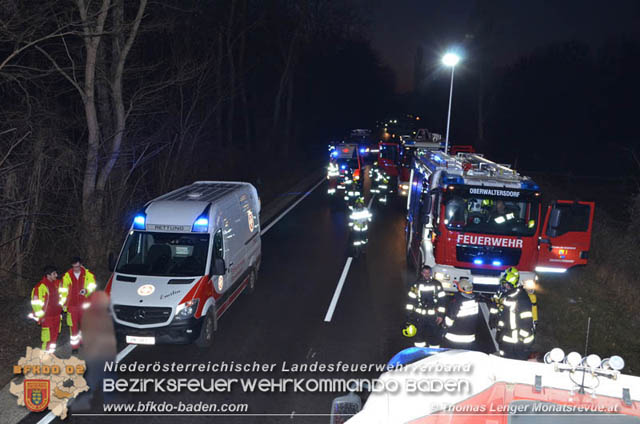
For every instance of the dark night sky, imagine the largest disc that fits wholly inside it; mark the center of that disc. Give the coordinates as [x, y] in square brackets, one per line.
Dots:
[398, 27]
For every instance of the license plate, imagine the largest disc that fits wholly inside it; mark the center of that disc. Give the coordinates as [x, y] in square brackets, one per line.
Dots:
[141, 340]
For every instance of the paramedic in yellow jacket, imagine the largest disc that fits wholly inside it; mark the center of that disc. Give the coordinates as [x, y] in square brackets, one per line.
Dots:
[77, 285]
[46, 308]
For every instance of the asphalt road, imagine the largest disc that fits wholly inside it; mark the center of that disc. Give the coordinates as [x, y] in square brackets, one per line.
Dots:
[304, 257]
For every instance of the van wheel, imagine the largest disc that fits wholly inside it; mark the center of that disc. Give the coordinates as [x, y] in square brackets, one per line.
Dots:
[251, 284]
[205, 339]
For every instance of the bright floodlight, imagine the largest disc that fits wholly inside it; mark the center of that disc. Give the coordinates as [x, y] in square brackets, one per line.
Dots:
[451, 59]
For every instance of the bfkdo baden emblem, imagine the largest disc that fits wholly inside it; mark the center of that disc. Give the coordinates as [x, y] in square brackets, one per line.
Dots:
[36, 394]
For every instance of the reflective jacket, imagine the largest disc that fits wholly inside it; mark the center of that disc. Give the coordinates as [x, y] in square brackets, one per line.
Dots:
[515, 322]
[461, 319]
[427, 298]
[73, 293]
[45, 299]
[359, 219]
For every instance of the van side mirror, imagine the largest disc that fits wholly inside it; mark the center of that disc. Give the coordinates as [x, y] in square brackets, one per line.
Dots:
[218, 267]
[344, 407]
[111, 262]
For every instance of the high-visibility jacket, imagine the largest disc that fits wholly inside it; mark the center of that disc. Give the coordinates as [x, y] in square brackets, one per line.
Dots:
[516, 319]
[426, 298]
[461, 319]
[74, 292]
[45, 299]
[359, 219]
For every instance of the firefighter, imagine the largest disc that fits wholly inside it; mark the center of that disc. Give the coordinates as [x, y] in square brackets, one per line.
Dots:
[425, 308]
[515, 317]
[77, 285]
[461, 319]
[359, 223]
[502, 213]
[45, 302]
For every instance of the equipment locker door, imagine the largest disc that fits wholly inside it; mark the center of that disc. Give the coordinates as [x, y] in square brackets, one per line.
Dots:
[566, 236]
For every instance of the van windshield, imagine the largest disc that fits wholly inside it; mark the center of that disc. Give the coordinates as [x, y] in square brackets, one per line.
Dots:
[164, 254]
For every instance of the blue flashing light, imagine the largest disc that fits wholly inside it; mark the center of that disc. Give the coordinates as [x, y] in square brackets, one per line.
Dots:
[334, 153]
[139, 222]
[412, 354]
[529, 185]
[343, 167]
[363, 150]
[478, 261]
[496, 263]
[453, 180]
[201, 225]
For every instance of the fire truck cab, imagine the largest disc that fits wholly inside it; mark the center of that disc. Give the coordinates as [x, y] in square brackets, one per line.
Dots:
[471, 217]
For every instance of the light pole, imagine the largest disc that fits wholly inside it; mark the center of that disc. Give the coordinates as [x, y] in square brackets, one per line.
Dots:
[451, 60]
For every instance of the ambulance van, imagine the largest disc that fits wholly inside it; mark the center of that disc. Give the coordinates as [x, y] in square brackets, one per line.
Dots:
[188, 256]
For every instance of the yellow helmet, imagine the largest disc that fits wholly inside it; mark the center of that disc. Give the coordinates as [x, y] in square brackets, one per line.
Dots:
[510, 275]
[409, 330]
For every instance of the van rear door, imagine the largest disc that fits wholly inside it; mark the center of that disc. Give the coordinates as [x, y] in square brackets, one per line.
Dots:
[566, 236]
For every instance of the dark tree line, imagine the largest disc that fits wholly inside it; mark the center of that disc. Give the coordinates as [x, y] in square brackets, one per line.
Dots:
[107, 103]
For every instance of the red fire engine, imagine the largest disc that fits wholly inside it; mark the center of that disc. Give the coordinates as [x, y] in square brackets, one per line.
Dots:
[471, 217]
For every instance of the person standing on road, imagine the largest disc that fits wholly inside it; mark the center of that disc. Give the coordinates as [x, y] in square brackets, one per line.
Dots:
[461, 319]
[515, 319]
[77, 285]
[426, 308]
[46, 308]
[359, 223]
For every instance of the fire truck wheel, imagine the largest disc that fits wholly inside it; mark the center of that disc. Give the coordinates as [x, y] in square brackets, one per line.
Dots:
[251, 284]
[205, 339]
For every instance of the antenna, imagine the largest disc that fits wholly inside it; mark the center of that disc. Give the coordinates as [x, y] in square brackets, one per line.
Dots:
[586, 348]
[586, 343]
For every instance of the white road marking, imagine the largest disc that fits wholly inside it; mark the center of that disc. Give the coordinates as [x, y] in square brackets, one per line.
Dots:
[371, 201]
[492, 331]
[124, 352]
[336, 294]
[264, 231]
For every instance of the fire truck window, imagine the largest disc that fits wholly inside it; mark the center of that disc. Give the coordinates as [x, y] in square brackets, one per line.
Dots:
[573, 218]
[491, 215]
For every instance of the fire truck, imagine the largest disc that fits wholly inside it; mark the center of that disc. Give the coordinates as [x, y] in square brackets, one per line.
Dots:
[423, 137]
[388, 157]
[471, 217]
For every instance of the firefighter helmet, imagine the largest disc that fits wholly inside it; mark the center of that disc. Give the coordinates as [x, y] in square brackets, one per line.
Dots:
[511, 276]
[409, 330]
[465, 285]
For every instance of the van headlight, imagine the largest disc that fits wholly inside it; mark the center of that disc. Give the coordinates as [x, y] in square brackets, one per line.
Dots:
[186, 310]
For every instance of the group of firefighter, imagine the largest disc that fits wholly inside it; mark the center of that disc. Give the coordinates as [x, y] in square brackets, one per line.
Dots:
[54, 300]
[435, 318]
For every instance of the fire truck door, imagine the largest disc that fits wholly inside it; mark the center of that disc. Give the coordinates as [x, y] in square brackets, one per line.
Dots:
[565, 236]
